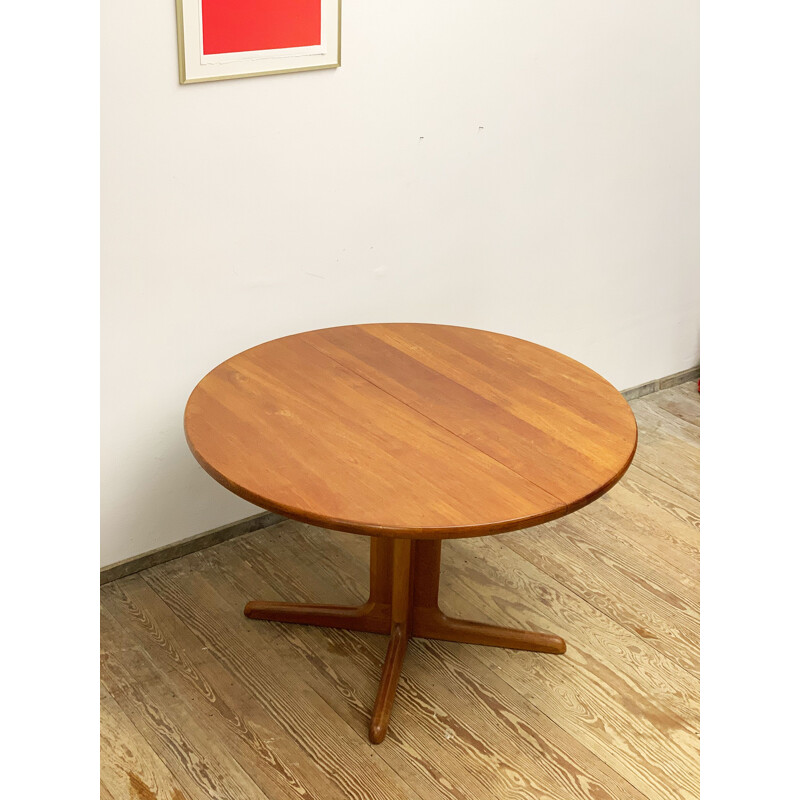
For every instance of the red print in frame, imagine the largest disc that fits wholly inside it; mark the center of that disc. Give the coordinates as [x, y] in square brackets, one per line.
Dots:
[223, 39]
[235, 26]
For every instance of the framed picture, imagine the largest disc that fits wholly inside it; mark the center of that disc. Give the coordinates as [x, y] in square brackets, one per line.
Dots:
[222, 39]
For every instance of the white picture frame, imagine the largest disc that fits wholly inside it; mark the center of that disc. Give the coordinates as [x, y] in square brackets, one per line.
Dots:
[195, 66]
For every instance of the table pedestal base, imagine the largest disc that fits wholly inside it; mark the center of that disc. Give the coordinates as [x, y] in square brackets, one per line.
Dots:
[403, 602]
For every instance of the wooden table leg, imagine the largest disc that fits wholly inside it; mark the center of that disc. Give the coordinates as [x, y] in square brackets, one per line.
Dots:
[372, 616]
[353, 618]
[430, 622]
[398, 639]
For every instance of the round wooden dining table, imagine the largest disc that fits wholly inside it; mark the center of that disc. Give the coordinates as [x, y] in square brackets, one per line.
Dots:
[410, 434]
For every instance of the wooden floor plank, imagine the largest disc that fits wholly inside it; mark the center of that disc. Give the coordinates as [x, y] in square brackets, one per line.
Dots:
[254, 738]
[660, 423]
[643, 501]
[668, 448]
[634, 602]
[635, 554]
[653, 515]
[518, 588]
[129, 767]
[167, 723]
[681, 401]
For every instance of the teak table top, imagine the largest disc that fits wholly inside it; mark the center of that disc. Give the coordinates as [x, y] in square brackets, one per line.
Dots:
[410, 430]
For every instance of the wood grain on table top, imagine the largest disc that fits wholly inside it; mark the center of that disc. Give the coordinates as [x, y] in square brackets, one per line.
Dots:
[405, 429]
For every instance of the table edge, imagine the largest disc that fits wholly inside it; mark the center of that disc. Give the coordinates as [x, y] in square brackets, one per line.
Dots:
[449, 532]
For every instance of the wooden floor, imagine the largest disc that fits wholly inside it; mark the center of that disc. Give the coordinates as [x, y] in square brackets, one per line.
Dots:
[199, 702]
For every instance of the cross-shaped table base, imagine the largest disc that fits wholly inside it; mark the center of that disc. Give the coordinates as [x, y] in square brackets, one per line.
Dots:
[403, 602]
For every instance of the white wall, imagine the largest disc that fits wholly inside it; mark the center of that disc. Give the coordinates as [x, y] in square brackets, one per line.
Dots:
[528, 167]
